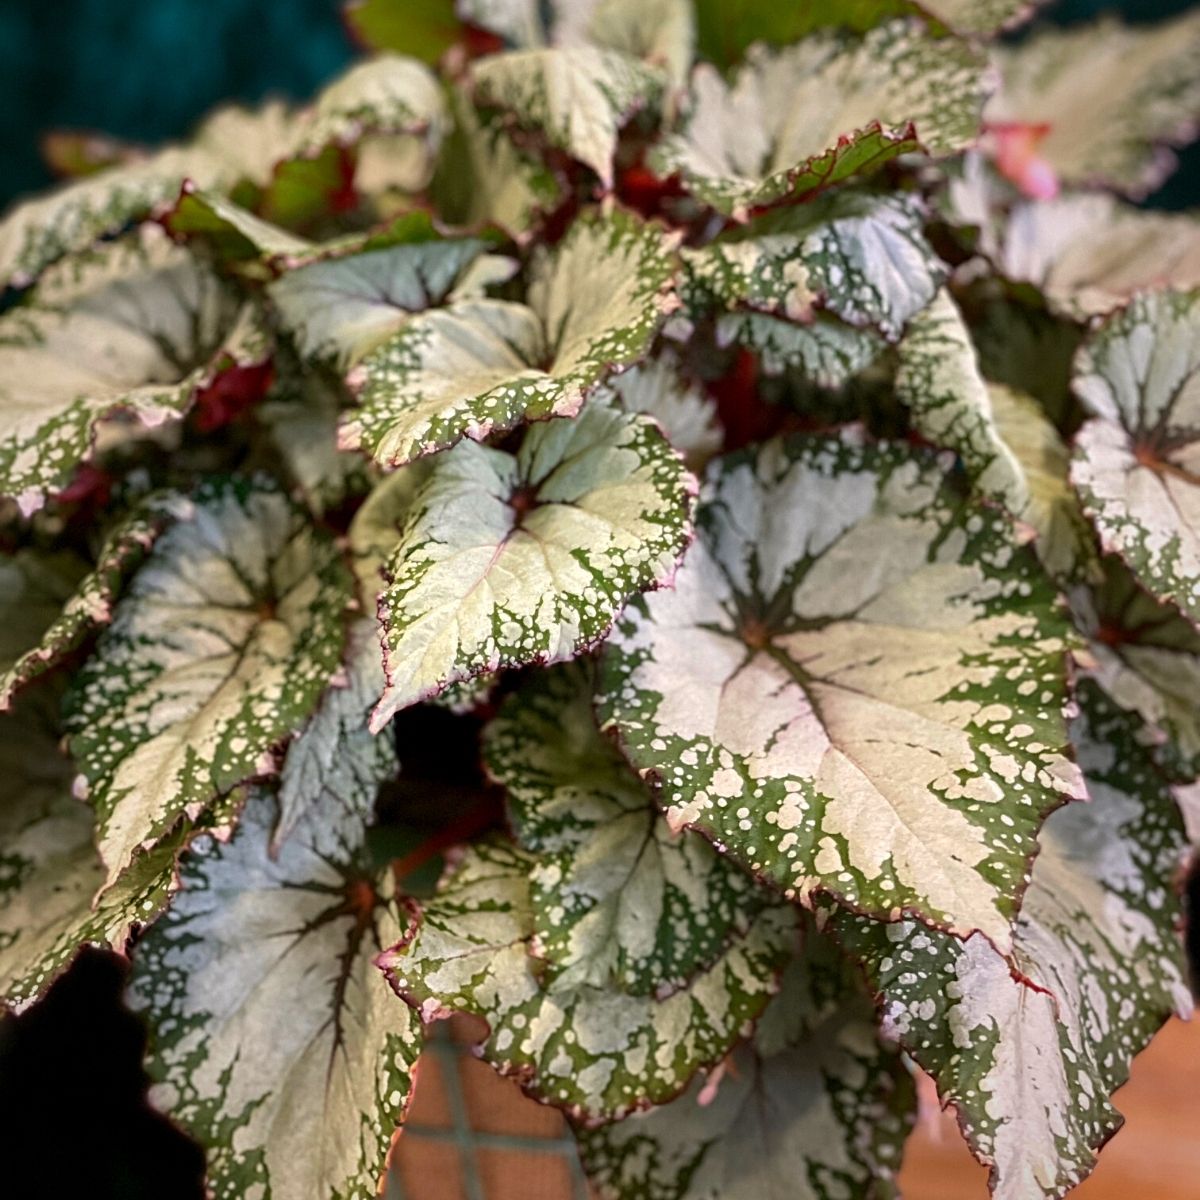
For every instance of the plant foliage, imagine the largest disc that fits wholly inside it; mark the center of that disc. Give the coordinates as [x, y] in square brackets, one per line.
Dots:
[769, 426]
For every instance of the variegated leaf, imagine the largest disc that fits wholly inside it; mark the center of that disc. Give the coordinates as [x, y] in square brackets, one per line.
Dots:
[273, 1039]
[660, 32]
[231, 144]
[813, 1107]
[220, 647]
[1137, 460]
[49, 870]
[863, 258]
[577, 97]
[939, 379]
[617, 899]
[136, 328]
[728, 27]
[89, 605]
[341, 308]
[1113, 97]
[388, 94]
[390, 102]
[337, 731]
[595, 1052]
[1063, 539]
[39, 232]
[506, 559]
[685, 413]
[1030, 1061]
[1146, 657]
[466, 370]
[856, 685]
[1089, 253]
[825, 350]
[818, 112]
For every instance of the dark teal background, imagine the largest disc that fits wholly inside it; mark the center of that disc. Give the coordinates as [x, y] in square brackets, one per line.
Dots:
[147, 70]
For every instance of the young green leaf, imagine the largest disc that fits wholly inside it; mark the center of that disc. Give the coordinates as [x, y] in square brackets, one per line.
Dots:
[220, 647]
[273, 1039]
[617, 899]
[425, 29]
[816, 113]
[480, 366]
[813, 1107]
[938, 378]
[577, 97]
[233, 233]
[506, 559]
[856, 685]
[1111, 97]
[596, 1052]
[1135, 462]
[1030, 1061]
[137, 328]
[863, 258]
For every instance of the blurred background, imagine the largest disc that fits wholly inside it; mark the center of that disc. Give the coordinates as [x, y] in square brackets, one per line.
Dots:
[147, 71]
[73, 1121]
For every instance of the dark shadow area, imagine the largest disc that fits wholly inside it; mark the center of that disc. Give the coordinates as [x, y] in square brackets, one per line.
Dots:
[73, 1115]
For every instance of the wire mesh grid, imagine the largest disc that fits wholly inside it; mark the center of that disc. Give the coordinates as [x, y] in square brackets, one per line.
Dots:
[472, 1135]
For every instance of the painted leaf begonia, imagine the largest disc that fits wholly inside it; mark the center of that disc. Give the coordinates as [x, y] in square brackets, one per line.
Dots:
[856, 685]
[273, 1038]
[135, 330]
[617, 898]
[1136, 458]
[220, 647]
[813, 1106]
[595, 1051]
[482, 366]
[818, 112]
[505, 559]
[1030, 1061]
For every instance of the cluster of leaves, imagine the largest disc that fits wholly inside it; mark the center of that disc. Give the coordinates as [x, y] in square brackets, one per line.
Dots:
[862, 753]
